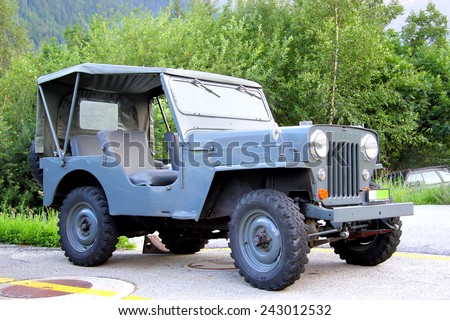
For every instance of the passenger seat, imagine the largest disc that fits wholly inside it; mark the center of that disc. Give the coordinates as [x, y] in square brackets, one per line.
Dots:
[131, 150]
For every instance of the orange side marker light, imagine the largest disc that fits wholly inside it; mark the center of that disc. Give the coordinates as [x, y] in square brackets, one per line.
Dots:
[323, 193]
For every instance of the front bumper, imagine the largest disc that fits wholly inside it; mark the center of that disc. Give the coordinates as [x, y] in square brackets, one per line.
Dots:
[339, 215]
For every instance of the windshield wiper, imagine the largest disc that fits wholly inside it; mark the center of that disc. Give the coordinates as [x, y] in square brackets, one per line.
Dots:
[200, 84]
[243, 89]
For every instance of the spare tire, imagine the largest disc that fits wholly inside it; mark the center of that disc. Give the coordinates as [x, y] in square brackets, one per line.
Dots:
[33, 161]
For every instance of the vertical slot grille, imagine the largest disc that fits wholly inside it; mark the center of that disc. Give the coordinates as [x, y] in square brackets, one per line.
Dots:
[343, 168]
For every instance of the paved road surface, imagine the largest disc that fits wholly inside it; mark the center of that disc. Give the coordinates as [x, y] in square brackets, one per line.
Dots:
[420, 270]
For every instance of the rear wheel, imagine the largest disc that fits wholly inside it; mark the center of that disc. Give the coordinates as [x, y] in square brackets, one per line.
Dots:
[268, 239]
[88, 234]
[372, 250]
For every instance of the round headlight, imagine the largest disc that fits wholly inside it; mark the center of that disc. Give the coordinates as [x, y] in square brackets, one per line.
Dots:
[369, 147]
[318, 144]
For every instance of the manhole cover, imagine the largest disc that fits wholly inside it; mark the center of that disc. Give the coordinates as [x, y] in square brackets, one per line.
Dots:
[212, 265]
[44, 288]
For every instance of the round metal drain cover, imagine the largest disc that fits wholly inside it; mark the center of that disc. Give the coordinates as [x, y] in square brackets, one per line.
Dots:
[38, 289]
[212, 265]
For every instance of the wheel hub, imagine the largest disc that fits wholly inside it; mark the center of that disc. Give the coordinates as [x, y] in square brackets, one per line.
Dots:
[85, 226]
[82, 226]
[262, 239]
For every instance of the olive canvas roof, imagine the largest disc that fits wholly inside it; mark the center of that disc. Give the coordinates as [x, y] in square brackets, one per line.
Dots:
[129, 79]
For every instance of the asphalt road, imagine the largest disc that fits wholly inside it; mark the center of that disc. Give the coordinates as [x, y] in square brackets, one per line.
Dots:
[419, 270]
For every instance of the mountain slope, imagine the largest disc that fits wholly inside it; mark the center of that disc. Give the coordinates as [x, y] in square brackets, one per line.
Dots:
[49, 18]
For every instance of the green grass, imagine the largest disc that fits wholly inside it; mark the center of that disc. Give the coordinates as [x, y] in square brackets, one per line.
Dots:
[27, 227]
[125, 244]
[419, 195]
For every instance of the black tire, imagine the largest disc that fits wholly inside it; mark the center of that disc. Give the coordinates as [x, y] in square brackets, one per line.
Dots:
[33, 162]
[372, 250]
[183, 245]
[268, 239]
[88, 234]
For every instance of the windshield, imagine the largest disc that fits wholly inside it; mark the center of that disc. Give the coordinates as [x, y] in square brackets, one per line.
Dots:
[199, 98]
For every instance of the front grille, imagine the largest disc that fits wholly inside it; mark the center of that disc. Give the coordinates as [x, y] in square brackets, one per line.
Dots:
[343, 168]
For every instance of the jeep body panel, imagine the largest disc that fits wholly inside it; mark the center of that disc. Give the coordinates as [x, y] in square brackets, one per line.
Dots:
[227, 171]
[209, 143]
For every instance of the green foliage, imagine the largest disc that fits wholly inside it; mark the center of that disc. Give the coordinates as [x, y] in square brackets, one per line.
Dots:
[329, 61]
[160, 127]
[426, 27]
[423, 195]
[13, 36]
[125, 244]
[25, 227]
[424, 43]
[17, 118]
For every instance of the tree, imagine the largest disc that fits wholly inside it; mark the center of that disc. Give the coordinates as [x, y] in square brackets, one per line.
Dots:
[424, 43]
[346, 71]
[13, 36]
[427, 27]
[329, 62]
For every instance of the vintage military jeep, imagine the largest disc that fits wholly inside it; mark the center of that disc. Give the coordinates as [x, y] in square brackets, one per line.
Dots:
[231, 172]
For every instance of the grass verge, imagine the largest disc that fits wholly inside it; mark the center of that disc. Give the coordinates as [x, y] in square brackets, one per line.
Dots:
[420, 195]
[27, 227]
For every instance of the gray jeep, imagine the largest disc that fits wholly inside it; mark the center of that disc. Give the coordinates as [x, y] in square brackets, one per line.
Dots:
[230, 172]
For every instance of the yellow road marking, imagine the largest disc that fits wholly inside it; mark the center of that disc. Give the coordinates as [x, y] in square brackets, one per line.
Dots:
[66, 289]
[5, 280]
[106, 293]
[422, 256]
[401, 254]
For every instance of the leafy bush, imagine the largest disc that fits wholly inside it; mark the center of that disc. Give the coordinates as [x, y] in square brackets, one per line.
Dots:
[365, 76]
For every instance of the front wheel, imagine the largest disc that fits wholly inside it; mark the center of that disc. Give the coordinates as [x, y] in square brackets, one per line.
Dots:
[88, 234]
[372, 250]
[268, 239]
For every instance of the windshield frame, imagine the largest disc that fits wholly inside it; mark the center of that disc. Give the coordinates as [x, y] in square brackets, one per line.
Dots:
[188, 120]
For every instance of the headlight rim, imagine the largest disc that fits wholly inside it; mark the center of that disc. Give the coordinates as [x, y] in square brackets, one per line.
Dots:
[318, 153]
[367, 148]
